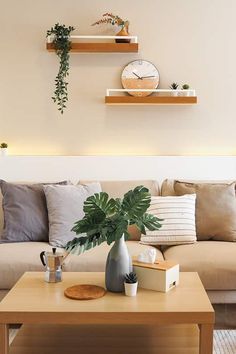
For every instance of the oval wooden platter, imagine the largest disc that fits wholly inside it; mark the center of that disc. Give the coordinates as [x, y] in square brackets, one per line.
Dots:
[84, 292]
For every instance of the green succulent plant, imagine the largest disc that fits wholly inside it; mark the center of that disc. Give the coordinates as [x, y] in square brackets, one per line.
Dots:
[185, 87]
[107, 220]
[174, 86]
[4, 146]
[131, 278]
[62, 45]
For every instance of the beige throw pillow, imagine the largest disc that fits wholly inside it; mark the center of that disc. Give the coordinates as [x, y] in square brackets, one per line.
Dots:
[178, 221]
[215, 209]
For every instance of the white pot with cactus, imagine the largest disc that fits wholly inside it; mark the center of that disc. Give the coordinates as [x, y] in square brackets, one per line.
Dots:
[174, 87]
[4, 149]
[185, 88]
[131, 284]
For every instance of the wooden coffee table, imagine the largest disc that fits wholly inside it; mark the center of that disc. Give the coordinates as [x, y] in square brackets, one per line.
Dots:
[35, 302]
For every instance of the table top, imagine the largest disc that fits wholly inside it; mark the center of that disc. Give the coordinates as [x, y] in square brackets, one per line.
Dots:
[32, 300]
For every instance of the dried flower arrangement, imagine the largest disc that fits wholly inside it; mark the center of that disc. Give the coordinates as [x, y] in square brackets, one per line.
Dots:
[113, 20]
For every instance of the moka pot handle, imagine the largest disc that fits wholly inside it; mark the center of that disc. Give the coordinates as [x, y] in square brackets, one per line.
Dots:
[42, 257]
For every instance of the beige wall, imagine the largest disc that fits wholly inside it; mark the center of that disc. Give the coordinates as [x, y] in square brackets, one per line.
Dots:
[188, 40]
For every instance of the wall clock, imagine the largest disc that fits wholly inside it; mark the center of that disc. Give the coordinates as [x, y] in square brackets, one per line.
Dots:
[140, 74]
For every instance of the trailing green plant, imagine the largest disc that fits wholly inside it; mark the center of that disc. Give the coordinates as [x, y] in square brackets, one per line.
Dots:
[4, 146]
[131, 278]
[185, 87]
[113, 20]
[174, 86]
[107, 220]
[62, 45]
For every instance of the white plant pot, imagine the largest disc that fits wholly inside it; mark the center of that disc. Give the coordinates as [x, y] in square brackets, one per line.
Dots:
[174, 93]
[4, 151]
[185, 93]
[131, 289]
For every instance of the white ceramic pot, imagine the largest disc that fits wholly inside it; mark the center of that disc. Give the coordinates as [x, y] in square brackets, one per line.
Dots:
[185, 93]
[174, 93]
[4, 151]
[131, 289]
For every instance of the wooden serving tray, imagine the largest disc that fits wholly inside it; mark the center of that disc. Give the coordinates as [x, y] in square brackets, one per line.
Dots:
[84, 292]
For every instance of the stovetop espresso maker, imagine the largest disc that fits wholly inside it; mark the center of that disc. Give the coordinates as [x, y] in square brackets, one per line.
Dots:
[53, 262]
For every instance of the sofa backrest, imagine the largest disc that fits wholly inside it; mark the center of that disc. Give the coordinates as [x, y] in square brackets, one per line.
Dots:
[116, 189]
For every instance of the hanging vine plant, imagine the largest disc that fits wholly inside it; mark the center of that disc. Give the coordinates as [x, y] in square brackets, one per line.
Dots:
[62, 45]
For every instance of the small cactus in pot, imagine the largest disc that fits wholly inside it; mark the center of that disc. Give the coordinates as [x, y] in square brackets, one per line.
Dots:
[174, 86]
[185, 88]
[4, 148]
[131, 284]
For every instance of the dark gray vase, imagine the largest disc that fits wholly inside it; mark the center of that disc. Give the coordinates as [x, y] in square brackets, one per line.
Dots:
[118, 264]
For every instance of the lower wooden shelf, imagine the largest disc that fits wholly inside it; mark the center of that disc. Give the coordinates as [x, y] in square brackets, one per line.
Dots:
[151, 100]
[99, 47]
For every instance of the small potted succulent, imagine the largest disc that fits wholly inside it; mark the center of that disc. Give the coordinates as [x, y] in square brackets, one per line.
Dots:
[185, 89]
[4, 149]
[131, 284]
[174, 86]
[115, 20]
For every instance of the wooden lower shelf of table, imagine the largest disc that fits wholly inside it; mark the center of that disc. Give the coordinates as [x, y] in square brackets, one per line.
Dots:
[151, 100]
[55, 339]
[99, 47]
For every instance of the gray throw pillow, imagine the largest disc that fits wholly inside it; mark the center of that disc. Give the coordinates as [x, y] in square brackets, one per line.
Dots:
[25, 212]
[65, 207]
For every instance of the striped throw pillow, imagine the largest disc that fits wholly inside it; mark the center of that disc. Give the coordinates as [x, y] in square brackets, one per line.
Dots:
[178, 225]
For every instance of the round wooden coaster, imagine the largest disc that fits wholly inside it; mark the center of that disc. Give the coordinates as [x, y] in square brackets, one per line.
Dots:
[84, 292]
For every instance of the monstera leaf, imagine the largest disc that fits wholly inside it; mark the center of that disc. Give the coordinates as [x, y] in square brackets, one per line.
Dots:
[107, 220]
[136, 202]
[148, 221]
[99, 202]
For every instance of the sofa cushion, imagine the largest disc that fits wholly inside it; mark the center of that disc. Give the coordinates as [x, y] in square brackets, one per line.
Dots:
[215, 209]
[177, 216]
[23, 215]
[117, 189]
[167, 187]
[65, 207]
[95, 258]
[214, 261]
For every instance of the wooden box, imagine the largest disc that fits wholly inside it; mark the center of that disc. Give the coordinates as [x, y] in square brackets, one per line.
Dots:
[159, 276]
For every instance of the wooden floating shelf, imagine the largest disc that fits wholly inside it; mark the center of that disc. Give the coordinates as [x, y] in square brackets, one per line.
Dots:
[99, 47]
[151, 100]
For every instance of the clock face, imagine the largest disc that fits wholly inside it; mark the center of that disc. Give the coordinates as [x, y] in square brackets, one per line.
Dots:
[140, 74]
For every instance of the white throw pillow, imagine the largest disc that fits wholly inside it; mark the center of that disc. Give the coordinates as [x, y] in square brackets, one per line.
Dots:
[65, 207]
[178, 225]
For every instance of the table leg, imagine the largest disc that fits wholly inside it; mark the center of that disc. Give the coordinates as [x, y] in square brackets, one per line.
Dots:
[4, 339]
[206, 338]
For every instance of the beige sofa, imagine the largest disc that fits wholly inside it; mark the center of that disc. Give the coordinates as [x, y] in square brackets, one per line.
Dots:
[214, 261]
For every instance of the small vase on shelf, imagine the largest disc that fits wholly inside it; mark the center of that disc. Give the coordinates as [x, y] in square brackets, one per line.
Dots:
[123, 32]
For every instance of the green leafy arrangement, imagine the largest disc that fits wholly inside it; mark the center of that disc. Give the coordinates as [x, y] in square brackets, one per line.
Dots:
[62, 45]
[131, 278]
[108, 219]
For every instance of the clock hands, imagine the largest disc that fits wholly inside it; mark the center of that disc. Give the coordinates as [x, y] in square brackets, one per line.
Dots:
[143, 77]
[139, 77]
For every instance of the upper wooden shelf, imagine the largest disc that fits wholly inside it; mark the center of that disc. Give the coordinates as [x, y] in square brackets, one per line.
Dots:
[91, 44]
[150, 100]
[100, 47]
